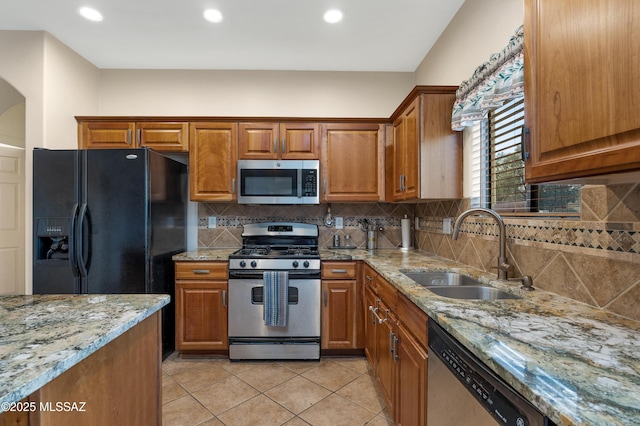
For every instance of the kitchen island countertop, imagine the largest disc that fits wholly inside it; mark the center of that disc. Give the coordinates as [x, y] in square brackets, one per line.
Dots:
[577, 364]
[43, 336]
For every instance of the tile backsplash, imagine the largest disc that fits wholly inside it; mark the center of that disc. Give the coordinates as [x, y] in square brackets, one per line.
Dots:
[594, 259]
[231, 217]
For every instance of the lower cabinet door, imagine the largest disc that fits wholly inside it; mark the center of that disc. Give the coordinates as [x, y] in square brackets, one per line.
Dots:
[370, 328]
[201, 315]
[338, 314]
[411, 408]
[386, 365]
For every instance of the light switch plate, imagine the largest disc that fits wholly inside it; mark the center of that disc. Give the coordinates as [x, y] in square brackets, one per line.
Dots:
[446, 225]
[339, 223]
[213, 222]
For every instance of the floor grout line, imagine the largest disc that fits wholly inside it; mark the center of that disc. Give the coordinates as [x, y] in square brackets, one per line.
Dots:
[297, 372]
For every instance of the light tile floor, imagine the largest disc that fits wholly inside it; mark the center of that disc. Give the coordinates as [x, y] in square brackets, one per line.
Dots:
[333, 391]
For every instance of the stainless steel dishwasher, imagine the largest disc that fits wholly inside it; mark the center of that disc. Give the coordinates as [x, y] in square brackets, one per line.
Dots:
[463, 391]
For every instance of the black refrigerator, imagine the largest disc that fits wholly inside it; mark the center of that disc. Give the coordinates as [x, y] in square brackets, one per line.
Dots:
[109, 221]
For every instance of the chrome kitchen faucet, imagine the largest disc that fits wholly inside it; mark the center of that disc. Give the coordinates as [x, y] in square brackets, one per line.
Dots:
[503, 265]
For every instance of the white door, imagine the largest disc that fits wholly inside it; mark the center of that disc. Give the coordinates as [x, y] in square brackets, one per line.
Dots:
[12, 218]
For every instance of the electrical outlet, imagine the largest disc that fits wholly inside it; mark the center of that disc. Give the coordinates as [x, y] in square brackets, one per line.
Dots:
[339, 223]
[213, 222]
[446, 225]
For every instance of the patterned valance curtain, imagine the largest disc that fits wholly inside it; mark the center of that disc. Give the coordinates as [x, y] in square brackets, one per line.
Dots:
[493, 83]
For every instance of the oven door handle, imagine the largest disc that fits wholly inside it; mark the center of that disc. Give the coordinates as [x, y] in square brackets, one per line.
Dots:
[297, 275]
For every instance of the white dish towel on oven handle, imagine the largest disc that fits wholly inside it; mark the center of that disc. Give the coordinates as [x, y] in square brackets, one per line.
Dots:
[276, 298]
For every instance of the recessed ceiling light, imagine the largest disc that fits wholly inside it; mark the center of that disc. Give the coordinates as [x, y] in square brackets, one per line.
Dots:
[213, 15]
[333, 16]
[90, 14]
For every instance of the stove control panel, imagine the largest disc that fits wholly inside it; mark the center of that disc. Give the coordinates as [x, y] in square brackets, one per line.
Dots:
[274, 264]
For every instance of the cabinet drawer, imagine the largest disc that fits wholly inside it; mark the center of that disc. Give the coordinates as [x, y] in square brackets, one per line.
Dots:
[413, 318]
[201, 270]
[387, 293]
[371, 278]
[338, 270]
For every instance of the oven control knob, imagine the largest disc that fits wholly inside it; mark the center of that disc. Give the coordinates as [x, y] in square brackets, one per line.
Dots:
[254, 263]
[243, 264]
[306, 264]
[295, 264]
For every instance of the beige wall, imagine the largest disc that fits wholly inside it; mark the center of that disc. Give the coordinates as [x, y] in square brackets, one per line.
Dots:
[12, 126]
[252, 93]
[480, 28]
[70, 88]
[55, 82]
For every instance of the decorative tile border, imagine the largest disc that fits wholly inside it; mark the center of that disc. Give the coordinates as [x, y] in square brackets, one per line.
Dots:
[564, 233]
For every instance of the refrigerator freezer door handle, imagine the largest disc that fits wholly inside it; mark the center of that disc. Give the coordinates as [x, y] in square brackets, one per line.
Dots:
[72, 241]
[80, 240]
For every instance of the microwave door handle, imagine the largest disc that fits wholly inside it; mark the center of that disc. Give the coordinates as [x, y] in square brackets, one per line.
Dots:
[300, 183]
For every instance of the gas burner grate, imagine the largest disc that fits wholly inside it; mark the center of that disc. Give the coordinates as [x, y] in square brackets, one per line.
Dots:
[300, 251]
[255, 251]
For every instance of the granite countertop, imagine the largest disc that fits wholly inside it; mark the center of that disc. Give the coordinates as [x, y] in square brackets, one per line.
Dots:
[579, 365]
[205, 255]
[43, 336]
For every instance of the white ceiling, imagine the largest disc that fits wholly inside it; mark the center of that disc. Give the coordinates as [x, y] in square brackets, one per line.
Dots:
[375, 35]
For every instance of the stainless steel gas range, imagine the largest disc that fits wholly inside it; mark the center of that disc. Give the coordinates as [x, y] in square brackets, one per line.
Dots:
[274, 293]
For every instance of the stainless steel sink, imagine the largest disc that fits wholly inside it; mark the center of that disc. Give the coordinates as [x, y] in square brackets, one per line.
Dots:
[457, 286]
[429, 278]
[472, 292]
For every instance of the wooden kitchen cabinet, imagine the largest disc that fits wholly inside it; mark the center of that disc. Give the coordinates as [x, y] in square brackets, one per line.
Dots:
[386, 342]
[201, 306]
[381, 334]
[161, 136]
[339, 306]
[213, 161]
[411, 353]
[273, 141]
[370, 299]
[424, 156]
[405, 158]
[581, 88]
[352, 162]
[396, 347]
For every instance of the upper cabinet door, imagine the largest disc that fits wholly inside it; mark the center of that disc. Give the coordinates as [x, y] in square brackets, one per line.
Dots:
[163, 136]
[582, 93]
[106, 134]
[405, 160]
[299, 141]
[272, 141]
[213, 161]
[352, 162]
[258, 141]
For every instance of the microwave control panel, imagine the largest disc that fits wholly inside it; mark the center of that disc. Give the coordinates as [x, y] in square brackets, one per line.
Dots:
[309, 182]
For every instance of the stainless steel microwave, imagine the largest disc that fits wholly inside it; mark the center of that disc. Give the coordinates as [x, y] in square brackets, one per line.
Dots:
[278, 182]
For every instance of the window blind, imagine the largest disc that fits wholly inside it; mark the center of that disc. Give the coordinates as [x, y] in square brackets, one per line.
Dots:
[501, 184]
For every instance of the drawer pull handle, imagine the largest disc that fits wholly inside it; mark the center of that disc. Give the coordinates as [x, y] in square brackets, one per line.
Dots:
[395, 348]
[375, 313]
[339, 271]
[201, 271]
